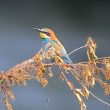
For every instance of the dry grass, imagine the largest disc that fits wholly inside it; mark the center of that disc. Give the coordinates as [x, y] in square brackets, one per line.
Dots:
[86, 74]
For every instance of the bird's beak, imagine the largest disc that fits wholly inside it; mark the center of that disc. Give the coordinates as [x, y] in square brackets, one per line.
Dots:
[40, 30]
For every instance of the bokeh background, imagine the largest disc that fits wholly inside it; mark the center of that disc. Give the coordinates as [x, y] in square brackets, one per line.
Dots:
[73, 21]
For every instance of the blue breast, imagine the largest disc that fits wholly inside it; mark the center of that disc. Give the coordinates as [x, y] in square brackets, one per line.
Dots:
[44, 42]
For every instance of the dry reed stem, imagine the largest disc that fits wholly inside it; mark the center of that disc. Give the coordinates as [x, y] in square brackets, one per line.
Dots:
[86, 73]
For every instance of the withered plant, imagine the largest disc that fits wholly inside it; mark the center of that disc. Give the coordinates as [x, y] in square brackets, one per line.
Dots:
[85, 73]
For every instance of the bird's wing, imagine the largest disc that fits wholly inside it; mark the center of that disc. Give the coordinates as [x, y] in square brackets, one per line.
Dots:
[60, 51]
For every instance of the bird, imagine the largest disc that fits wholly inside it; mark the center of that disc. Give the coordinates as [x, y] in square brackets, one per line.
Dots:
[50, 41]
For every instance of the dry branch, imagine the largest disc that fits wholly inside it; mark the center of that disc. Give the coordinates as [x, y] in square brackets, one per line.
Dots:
[85, 73]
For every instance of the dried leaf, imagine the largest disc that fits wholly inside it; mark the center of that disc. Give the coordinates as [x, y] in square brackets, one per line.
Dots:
[80, 92]
[91, 49]
[106, 69]
[10, 95]
[50, 74]
[7, 104]
[71, 86]
[81, 102]
[88, 75]
[85, 92]
[61, 77]
[105, 86]
[43, 82]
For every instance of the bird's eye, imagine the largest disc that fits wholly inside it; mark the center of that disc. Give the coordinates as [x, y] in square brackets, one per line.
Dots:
[48, 34]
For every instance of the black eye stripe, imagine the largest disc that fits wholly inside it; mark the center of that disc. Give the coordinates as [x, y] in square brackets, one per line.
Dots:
[48, 34]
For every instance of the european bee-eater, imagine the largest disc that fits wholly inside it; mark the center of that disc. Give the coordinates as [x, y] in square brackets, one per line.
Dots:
[49, 40]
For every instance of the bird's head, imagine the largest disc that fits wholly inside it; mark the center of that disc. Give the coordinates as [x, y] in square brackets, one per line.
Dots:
[46, 33]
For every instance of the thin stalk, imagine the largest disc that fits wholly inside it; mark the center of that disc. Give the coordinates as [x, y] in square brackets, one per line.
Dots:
[77, 49]
[99, 99]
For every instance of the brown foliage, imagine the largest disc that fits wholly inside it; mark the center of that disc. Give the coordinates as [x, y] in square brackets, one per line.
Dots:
[85, 73]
